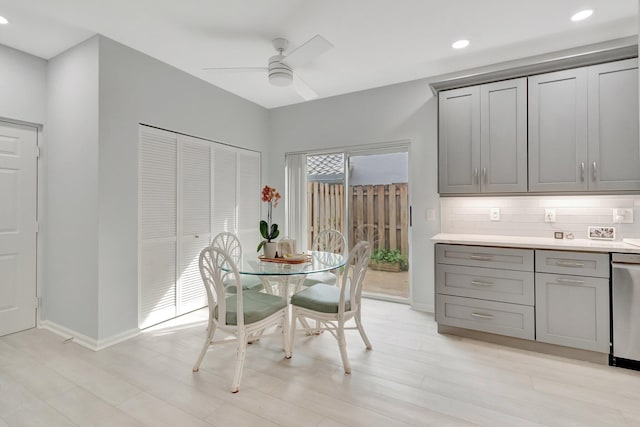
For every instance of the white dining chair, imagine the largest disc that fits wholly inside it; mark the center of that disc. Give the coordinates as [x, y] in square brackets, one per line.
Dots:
[326, 241]
[243, 313]
[332, 306]
[230, 243]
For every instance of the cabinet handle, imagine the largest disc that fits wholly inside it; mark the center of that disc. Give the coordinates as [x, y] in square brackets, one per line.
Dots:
[481, 283]
[481, 257]
[484, 174]
[482, 316]
[572, 281]
[595, 170]
[569, 264]
[475, 174]
[582, 171]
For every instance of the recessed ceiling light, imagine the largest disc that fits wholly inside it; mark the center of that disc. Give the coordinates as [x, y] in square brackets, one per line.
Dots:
[460, 44]
[3, 20]
[583, 14]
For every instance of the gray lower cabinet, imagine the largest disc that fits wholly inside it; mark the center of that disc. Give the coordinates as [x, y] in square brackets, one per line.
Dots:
[572, 299]
[583, 129]
[487, 316]
[482, 143]
[562, 298]
[486, 289]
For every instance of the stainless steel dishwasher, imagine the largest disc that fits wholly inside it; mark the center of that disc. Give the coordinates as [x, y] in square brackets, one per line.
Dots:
[626, 310]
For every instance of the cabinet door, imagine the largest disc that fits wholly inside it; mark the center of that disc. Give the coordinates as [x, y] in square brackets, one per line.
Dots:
[459, 140]
[614, 151]
[558, 131]
[503, 144]
[573, 311]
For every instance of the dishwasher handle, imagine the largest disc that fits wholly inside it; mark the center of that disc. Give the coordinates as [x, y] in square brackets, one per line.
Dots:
[634, 267]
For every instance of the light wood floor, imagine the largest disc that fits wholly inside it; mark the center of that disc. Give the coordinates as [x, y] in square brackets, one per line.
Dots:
[413, 376]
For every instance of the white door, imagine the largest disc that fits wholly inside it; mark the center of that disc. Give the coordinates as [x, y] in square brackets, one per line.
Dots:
[18, 178]
[194, 221]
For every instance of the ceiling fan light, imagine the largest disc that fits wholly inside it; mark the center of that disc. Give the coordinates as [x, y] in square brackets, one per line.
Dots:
[280, 78]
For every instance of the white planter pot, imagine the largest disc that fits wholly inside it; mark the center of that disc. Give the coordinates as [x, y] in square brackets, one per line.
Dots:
[270, 249]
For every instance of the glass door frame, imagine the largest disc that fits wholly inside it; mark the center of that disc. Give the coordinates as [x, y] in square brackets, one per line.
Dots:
[363, 150]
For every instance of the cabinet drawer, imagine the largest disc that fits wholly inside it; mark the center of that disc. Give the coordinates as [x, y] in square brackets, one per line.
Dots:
[482, 256]
[575, 263]
[495, 317]
[573, 311]
[486, 283]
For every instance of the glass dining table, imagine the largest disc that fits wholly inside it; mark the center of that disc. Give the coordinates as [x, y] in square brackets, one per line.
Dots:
[283, 277]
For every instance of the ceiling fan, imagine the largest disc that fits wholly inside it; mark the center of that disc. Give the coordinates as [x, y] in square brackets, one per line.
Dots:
[281, 67]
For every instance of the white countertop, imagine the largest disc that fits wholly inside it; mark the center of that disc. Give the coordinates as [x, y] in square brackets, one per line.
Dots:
[536, 242]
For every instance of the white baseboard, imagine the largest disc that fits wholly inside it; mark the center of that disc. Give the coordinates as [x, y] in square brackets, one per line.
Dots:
[429, 308]
[85, 341]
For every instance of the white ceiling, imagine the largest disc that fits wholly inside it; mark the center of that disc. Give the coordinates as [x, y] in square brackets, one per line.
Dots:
[377, 42]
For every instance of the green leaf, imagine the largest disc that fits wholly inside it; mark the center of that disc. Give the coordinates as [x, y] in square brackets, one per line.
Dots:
[274, 232]
[264, 229]
[261, 245]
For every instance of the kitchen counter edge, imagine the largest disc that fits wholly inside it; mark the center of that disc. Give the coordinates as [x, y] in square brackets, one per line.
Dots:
[527, 242]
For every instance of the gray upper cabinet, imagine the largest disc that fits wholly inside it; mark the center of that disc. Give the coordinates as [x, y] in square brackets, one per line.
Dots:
[614, 151]
[503, 142]
[459, 140]
[583, 129]
[558, 131]
[483, 138]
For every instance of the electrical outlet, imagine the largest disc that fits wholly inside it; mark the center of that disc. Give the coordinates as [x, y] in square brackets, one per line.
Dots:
[494, 214]
[623, 215]
[549, 215]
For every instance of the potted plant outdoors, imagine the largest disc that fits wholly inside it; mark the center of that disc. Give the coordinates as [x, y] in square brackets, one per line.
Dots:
[388, 260]
[268, 230]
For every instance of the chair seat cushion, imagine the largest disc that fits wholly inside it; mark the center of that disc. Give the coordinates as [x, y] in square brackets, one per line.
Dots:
[320, 297]
[323, 277]
[249, 283]
[256, 306]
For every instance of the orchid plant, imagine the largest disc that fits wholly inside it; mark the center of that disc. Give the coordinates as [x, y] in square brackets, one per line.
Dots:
[268, 230]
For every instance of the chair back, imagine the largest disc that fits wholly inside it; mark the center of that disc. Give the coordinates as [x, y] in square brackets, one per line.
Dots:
[329, 241]
[216, 268]
[353, 275]
[230, 243]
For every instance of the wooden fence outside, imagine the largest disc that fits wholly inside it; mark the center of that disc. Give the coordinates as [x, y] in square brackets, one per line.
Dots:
[378, 213]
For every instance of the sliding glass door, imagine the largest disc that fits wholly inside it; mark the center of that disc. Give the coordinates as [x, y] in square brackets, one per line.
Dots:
[363, 194]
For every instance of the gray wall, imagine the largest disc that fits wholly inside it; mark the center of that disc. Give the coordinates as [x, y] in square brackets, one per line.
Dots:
[135, 88]
[70, 227]
[98, 92]
[379, 169]
[23, 82]
[406, 111]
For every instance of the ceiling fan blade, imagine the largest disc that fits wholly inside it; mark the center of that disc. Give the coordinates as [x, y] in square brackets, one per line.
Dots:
[306, 52]
[303, 89]
[241, 69]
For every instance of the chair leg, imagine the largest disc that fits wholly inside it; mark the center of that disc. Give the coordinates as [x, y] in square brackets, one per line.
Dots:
[292, 329]
[211, 329]
[367, 343]
[240, 355]
[342, 343]
[286, 339]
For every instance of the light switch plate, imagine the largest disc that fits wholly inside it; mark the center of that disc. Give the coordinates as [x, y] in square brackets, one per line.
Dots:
[494, 214]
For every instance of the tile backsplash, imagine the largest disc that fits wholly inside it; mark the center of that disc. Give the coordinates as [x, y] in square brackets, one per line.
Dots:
[524, 215]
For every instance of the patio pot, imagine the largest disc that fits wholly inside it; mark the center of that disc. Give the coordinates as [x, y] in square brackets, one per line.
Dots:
[385, 266]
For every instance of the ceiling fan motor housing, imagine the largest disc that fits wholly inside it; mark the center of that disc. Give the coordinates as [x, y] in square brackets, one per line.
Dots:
[280, 74]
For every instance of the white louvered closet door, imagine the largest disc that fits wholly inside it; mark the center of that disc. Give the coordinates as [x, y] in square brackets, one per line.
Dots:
[157, 225]
[194, 219]
[224, 190]
[249, 200]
